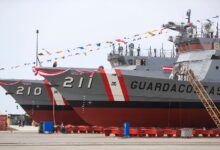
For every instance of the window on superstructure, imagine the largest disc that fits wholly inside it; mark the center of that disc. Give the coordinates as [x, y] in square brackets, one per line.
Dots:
[115, 63]
[143, 62]
[215, 57]
[130, 62]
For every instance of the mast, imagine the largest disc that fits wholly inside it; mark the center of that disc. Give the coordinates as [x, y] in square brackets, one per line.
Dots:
[37, 32]
[217, 31]
[37, 59]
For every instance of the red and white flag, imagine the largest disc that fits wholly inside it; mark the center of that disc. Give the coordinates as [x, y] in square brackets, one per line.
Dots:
[167, 68]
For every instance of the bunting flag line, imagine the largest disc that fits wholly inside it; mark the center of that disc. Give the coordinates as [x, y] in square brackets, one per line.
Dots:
[12, 83]
[41, 72]
[89, 48]
[37, 70]
[136, 38]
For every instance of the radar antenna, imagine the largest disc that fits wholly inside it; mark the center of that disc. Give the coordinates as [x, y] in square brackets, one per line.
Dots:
[188, 15]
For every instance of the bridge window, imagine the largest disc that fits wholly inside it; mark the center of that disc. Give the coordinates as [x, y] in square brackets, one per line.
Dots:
[215, 57]
[143, 62]
[130, 62]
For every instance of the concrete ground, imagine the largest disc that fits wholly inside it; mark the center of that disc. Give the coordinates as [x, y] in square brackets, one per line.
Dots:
[26, 139]
[25, 128]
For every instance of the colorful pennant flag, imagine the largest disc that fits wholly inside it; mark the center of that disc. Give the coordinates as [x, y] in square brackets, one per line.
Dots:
[136, 35]
[216, 16]
[59, 51]
[98, 44]
[40, 54]
[81, 47]
[161, 31]
[120, 41]
[49, 53]
[85, 53]
[150, 33]
[109, 42]
[17, 66]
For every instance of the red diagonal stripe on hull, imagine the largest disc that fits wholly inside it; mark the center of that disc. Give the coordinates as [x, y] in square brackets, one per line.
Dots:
[106, 84]
[65, 101]
[122, 84]
[46, 83]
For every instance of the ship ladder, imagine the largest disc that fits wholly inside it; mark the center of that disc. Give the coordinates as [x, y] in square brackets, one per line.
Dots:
[204, 98]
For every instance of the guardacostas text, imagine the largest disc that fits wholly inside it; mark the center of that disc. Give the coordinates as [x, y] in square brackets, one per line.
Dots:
[171, 87]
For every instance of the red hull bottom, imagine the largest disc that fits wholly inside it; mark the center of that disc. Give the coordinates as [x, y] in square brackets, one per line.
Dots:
[60, 116]
[146, 117]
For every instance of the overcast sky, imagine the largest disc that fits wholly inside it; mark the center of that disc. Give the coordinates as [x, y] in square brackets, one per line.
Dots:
[66, 24]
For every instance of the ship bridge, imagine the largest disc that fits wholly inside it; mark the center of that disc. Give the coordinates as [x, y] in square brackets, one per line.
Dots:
[189, 39]
[132, 59]
[124, 59]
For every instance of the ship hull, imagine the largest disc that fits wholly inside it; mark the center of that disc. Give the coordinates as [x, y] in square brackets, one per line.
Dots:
[42, 102]
[112, 97]
[147, 114]
[58, 114]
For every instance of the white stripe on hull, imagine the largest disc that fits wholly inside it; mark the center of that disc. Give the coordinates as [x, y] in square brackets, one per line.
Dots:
[114, 85]
[57, 96]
